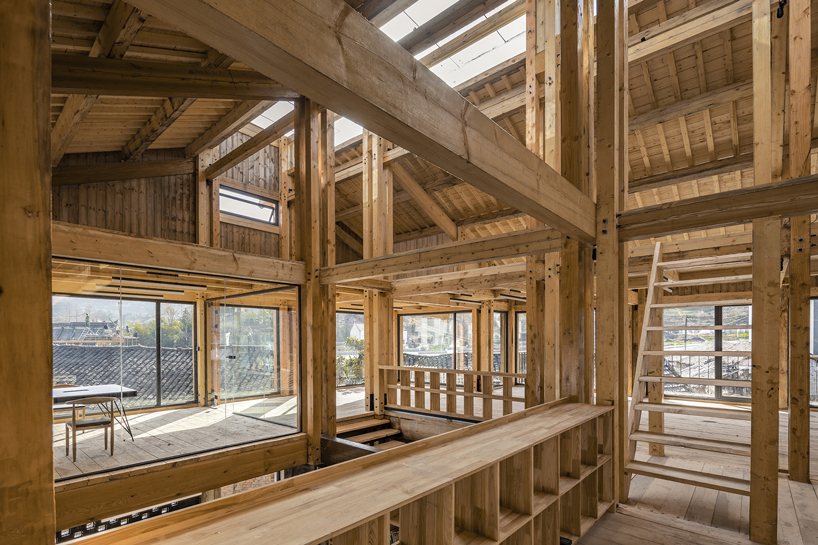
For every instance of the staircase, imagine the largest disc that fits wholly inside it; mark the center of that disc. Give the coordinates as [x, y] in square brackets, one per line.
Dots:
[370, 431]
[664, 275]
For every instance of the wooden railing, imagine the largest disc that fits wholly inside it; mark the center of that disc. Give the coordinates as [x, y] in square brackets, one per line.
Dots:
[436, 391]
[529, 477]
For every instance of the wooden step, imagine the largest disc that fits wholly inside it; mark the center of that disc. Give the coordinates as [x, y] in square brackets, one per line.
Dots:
[360, 425]
[723, 382]
[699, 327]
[725, 447]
[724, 354]
[390, 444]
[712, 260]
[373, 435]
[687, 476]
[716, 303]
[705, 281]
[690, 410]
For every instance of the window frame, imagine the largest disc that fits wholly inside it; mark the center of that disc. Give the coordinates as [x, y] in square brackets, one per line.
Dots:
[265, 201]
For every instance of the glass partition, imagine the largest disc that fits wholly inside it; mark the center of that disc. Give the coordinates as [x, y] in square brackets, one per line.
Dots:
[349, 349]
[428, 340]
[521, 343]
[194, 363]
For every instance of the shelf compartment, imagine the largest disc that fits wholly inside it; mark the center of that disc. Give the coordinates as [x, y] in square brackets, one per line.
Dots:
[546, 527]
[477, 503]
[429, 520]
[522, 536]
[570, 512]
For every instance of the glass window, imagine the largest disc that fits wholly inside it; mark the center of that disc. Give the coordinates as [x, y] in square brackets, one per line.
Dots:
[521, 346]
[499, 332]
[246, 205]
[464, 342]
[428, 340]
[349, 349]
[813, 350]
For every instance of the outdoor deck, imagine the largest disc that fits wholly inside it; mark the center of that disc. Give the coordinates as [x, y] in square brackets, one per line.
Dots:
[177, 432]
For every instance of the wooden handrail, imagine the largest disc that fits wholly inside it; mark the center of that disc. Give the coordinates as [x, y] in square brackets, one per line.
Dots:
[456, 371]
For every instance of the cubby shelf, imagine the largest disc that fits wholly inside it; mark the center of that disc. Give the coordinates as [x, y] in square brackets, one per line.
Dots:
[559, 485]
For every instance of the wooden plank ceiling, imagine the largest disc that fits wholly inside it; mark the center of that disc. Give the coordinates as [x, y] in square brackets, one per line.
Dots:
[701, 137]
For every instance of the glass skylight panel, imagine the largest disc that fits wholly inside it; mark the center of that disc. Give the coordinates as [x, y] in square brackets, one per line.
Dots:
[514, 28]
[399, 27]
[424, 11]
[346, 129]
[273, 114]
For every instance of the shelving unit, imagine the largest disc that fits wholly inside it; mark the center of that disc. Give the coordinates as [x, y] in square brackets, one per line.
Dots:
[521, 479]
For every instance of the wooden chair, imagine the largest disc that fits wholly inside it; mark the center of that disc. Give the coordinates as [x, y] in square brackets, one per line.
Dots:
[64, 406]
[93, 423]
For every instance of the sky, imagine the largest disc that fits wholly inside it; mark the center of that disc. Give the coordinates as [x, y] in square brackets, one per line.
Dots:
[495, 48]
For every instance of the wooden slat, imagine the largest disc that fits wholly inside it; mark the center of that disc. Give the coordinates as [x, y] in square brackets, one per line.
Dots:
[425, 201]
[243, 113]
[160, 121]
[733, 414]
[686, 476]
[693, 380]
[445, 23]
[711, 445]
[430, 118]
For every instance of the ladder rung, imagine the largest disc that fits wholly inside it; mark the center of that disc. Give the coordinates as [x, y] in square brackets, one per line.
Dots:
[686, 476]
[712, 412]
[698, 327]
[711, 445]
[698, 353]
[723, 382]
[696, 261]
[703, 281]
[686, 304]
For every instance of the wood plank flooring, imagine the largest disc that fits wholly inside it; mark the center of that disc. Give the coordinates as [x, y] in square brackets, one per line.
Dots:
[663, 512]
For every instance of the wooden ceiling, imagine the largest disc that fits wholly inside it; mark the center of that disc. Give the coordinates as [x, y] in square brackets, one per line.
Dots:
[708, 135]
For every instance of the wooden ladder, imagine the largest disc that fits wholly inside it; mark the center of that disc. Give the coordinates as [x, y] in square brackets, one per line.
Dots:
[664, 274]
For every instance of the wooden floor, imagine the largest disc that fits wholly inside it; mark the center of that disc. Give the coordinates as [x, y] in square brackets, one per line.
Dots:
[663, 512]
[175, 432]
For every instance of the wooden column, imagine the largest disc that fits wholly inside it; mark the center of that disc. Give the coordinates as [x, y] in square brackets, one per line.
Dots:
[625, 326]
[551, 341]
[608, 281]
[201, 350]
[486, 353]
[377, 241]
[575, 266]
[284, 187]
[800, 136]
[766, 301]
[203, 204]
[308, 223]
[328, 292]
[27, 467]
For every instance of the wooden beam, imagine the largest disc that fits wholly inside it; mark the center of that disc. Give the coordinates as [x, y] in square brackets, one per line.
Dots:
[26, 471]
[475, 33]
[703, 101]
[101, 76]
[255, 144]
[446, 23]
[380, 12]
[800, 132]
[160, 121]
[677, 32]
[221, 130]
[327, 234]
[503, 280]
[113, 172]
[118, 31]
[426, 203]
[354, 244]
[516, 244]
[87, 499]
[788, 198]
[483, 219]
[450, 133]
[98, 245]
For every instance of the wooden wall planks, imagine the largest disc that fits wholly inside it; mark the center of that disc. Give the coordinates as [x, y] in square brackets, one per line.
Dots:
[162, 207]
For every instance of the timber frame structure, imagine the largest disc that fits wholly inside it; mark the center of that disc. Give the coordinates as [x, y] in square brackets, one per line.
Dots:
[638, 156]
